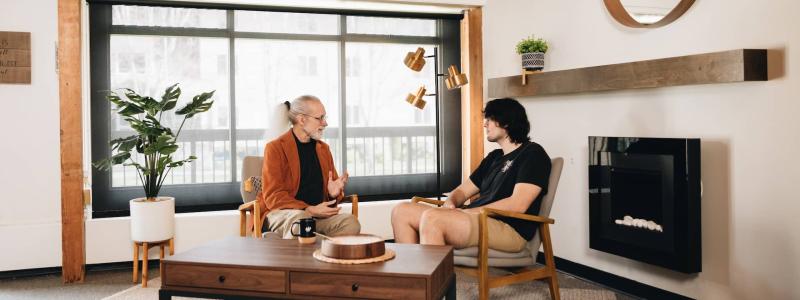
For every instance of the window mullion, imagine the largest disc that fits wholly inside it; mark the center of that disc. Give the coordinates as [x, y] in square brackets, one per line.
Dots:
[232, 91]
[343, 92]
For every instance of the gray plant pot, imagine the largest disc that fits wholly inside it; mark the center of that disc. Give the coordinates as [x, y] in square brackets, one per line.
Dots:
[533, 61]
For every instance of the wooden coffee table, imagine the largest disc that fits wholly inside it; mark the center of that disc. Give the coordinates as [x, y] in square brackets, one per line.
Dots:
[243, 267]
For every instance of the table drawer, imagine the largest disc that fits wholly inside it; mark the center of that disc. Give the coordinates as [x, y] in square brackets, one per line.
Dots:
[225, 278]
[356, 286]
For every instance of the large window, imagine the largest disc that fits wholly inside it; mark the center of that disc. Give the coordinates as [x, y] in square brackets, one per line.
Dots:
[255, 60]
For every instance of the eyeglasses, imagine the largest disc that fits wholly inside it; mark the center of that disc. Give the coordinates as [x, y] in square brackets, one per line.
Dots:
[321, 118]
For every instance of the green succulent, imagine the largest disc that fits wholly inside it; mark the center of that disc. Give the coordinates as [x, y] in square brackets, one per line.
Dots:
[531, 44]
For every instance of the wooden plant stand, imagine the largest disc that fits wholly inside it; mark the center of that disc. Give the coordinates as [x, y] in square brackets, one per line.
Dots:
[146, 246]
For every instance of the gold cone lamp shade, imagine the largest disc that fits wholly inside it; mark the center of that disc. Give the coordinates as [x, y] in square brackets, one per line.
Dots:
[455, 79]
[415, 60]
[416, 98]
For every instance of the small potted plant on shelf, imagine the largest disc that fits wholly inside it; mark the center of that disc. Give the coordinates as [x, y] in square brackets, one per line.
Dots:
[152, 217]
[532, 51]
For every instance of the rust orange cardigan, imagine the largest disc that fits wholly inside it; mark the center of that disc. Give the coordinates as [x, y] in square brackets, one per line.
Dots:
[281, 174]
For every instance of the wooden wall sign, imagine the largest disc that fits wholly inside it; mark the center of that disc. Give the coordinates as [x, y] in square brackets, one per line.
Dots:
[15, 57]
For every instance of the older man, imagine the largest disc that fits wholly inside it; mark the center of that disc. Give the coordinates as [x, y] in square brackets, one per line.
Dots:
[300, 180]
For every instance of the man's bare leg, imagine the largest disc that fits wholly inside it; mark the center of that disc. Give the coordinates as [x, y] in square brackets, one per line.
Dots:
[442, 226]
[405, 221]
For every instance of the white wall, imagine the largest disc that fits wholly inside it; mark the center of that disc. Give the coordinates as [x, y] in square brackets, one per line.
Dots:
[749, 131]
[30, 207]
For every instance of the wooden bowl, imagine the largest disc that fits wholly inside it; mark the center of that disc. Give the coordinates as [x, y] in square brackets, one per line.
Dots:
[353, 246]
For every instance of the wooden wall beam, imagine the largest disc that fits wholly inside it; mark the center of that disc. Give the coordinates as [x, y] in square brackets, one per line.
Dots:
[472, 93]
[717, 67]
[69, 84]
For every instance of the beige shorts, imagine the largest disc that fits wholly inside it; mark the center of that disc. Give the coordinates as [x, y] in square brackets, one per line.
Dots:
[502, 236]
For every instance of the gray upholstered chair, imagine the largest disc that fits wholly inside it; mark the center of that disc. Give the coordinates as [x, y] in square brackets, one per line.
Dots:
[479, 259]
[251, 186]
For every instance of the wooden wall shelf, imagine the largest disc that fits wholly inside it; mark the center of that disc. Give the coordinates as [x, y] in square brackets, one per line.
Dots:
[717, 67]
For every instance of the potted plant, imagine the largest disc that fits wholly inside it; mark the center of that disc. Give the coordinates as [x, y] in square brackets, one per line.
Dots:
[152, 217]
[532, 51]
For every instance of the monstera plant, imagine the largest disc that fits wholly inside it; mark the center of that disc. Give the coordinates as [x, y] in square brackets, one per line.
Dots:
[152, 217]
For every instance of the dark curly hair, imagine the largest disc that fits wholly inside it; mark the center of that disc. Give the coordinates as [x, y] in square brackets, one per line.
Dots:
[511, 116]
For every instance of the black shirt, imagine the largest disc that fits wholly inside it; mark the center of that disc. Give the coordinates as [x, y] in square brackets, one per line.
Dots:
[497, 174]
[310, 190]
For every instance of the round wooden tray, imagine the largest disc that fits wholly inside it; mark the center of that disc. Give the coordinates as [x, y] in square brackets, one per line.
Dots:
[386, 256]
[360, 246]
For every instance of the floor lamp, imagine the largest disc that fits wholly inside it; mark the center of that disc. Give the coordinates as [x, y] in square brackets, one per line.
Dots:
[453, 80]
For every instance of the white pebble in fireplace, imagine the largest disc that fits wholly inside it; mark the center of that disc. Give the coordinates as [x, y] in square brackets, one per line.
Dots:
[639, 223]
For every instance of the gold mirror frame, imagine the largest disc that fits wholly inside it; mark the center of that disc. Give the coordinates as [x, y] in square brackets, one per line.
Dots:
[622, 16]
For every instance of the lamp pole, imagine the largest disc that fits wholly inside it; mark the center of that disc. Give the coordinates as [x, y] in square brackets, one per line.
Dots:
[436, 104]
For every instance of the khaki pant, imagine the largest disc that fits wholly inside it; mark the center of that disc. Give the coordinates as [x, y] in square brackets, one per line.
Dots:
[502, 236]
[280, 222]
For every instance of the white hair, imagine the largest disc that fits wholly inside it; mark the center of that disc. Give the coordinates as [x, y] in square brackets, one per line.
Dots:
[299, 106]
[286, 113]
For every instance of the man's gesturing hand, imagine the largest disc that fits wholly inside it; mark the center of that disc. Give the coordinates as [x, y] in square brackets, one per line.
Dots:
[322, 210]
[335, 187]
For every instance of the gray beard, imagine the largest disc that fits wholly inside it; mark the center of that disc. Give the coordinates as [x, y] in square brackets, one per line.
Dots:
[316, 135]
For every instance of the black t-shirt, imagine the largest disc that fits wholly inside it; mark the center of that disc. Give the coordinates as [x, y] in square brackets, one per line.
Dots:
[310, 190]
[498, 173]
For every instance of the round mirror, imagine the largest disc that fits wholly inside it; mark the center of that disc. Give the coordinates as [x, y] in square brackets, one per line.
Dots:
[647, 13]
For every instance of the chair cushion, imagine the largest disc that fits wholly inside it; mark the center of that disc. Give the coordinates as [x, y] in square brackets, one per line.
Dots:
[469, 257]
[471, 261]
[473, 252]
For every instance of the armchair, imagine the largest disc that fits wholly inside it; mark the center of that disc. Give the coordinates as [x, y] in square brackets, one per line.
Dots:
[479, 259]
[251, 186]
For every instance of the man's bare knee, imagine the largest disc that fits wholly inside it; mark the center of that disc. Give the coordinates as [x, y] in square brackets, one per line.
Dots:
[445, 222]
[431, 219]
[400, 213]
[397, 212]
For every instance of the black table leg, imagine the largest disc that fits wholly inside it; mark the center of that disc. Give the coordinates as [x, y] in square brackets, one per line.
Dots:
[451, 289]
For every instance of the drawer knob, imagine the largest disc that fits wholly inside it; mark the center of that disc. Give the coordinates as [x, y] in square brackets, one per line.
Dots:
[221, 279]
[355, 287]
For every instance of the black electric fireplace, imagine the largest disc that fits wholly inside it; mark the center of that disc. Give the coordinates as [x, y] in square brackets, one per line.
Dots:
[644, 200]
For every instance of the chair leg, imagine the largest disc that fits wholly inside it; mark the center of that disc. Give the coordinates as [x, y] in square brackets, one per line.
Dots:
[172, 246]
[483, 258]
[257, 221]
[553, 284]
[161, 251]
[483, 284]
[135, 262]
[550, 262]
[242, 223]
[144, 264]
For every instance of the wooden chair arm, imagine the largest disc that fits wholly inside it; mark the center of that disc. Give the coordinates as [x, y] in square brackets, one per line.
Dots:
[491, 211]
[350, 198]
[354, 200]
[426, 200]
[247, 206]
[483, 230]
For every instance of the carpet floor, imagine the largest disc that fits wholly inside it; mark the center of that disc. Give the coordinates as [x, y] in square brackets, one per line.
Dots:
[116, 285]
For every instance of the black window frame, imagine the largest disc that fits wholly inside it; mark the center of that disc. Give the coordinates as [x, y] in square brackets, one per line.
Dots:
[111, 202]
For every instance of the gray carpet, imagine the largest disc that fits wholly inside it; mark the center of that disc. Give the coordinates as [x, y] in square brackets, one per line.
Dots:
[96, 285]
[117, 285]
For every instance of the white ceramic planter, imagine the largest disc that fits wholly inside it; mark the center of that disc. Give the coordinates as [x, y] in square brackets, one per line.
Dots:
[152, 221]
